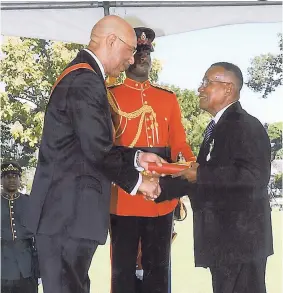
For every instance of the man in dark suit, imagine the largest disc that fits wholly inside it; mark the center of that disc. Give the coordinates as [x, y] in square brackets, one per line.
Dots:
[228, 188]
[19, 273]
[70, 197]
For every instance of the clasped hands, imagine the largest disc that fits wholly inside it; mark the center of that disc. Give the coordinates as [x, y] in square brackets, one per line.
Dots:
[150, 187]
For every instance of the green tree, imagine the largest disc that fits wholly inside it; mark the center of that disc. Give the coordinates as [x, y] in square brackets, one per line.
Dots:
[274, 131]
[194, 119]
[29, 69]
[265, 73]
[278, 181]
[279, 155]
[155, 70]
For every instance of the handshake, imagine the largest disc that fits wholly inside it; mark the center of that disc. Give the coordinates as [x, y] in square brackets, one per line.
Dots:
[150, 186]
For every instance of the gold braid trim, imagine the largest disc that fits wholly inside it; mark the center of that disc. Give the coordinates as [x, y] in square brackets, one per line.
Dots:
[145, 109]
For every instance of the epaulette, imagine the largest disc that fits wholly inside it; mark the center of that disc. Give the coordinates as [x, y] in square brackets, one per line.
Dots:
[162, 88]
[114, 85]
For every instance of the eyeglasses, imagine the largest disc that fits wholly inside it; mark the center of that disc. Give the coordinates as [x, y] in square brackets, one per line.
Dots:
[134, 49]
[206, 82]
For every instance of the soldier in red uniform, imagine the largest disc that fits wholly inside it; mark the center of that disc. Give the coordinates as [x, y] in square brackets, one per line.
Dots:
[146, 117]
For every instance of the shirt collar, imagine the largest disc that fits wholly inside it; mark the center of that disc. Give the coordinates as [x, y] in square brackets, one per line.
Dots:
[6, 195]
[136, 85]
[98, 63]
[220, 113]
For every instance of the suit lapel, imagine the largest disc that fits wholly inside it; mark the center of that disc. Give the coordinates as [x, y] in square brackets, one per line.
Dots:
[84, 56]
[236, 107]
[203, 152]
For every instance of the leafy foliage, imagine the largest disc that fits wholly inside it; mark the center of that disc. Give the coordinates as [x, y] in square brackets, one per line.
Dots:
[28, 70]
[265, 73]
[194, 119]
[278, 180]
[274, 131]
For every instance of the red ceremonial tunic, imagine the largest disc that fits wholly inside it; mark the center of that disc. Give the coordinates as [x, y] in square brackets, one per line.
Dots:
[155, 122]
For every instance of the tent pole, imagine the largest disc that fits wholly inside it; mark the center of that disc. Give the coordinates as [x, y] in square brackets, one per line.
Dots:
[106, 7]
[20, 5]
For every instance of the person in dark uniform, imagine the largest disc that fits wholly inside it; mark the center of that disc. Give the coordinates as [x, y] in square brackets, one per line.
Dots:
[18, 255]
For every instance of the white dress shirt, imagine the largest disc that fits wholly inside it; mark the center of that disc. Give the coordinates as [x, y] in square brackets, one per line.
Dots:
[220, 113]
[98, 62]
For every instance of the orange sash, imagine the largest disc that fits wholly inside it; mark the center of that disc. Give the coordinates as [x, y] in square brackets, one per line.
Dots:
[70, 69]
[73, 68]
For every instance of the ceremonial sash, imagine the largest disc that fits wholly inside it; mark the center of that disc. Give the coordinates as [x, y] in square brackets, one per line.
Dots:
[71, 69]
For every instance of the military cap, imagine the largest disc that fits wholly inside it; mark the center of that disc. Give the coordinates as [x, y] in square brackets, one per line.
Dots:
[10, 168]
[145, 37]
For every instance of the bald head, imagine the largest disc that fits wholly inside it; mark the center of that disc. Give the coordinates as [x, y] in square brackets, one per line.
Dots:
[115, 25]
[114, 42]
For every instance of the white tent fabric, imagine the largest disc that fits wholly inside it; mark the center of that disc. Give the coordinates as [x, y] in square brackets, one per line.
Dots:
[173, 20]
[72, 21]
[69, 25]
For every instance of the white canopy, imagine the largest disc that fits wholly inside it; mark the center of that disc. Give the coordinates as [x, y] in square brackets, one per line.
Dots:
[72, 21]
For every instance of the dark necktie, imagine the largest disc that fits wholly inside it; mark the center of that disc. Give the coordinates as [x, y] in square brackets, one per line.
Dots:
[207, 133]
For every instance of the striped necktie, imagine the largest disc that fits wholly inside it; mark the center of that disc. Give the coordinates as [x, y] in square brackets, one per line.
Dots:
[208, 132]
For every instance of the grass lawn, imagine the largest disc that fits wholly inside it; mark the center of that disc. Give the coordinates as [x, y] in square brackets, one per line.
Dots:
[185, 277]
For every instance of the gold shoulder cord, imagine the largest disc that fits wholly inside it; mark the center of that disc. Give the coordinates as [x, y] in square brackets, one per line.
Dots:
[145, 109]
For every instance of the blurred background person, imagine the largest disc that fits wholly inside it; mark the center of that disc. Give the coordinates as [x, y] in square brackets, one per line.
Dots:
[19, 265]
